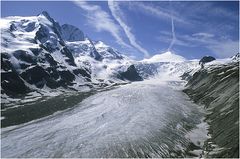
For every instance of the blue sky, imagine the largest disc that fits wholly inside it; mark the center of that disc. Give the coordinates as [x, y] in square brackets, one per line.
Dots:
[142, 29]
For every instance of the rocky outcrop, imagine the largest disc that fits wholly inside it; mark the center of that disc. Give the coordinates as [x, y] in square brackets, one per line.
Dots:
[35, 75]
[206, 59]
[217, 88]
[130, 74]
[147, 70]
[236, 57]
[12, 84]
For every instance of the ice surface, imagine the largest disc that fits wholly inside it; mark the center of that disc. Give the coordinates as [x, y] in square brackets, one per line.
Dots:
[144, 119]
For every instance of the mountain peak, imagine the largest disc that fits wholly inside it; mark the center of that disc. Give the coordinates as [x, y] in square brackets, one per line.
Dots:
[47, 16]
[45, 13]
[165, 57]
[168, 53]
[101, 44]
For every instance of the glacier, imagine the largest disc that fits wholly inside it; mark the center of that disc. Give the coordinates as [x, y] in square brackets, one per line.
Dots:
[143, 119]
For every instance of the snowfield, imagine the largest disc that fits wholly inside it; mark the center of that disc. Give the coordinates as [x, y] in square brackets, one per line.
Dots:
[165, 57]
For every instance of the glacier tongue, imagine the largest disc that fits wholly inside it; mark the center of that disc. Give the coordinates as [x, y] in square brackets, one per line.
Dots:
[144, 119]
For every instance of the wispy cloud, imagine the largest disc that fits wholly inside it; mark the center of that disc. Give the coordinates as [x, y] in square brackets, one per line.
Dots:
[118, 15]
[173, 33]
[225, 48]
[101, 20]
[201, 9]
[206, 15]
[222, 47]
[158, 12]
[161, 13]
[203, 18]
[166, 37]
[203, 35]
[191, 14]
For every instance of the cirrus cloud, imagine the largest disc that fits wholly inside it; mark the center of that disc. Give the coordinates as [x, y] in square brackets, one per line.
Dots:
[102, 21]
[118, 15]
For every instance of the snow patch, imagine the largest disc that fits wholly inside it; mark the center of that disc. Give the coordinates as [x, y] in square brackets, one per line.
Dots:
[198, 135]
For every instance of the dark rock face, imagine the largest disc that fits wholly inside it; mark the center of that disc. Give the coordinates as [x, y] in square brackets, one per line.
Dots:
[218, 90]
[12, 84]
[5, 63]
[65, 51]
[50, 77]
[36, 51]
[55, 26]
[206, 59]
[30, 27]
[12, 27]
[24, 56]
[50, 60]
[45, 13]
[94, 52]
[66, 76]
[131, 74]
[96, 55]
[186, 76]
[83, 73]
[42, 34]
[35, 75]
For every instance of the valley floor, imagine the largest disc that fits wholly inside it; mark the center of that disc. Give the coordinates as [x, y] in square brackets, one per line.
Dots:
[144, 119]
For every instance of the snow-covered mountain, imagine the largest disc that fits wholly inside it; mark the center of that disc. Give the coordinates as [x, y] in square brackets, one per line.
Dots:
[103, 61]
[34, 50]
[37, 52]
[166, 65]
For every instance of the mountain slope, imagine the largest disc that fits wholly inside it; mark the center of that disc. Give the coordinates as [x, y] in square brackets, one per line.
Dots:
[166, 65]
[217, 88]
